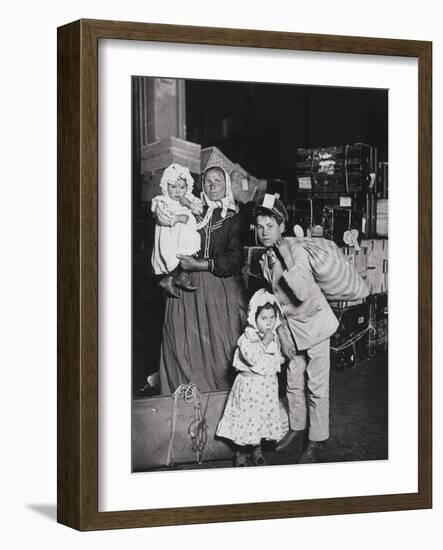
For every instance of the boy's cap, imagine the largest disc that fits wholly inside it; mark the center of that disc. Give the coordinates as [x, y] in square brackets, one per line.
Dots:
[271, 205]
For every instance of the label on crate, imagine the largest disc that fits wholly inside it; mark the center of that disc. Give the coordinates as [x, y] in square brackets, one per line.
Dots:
[346, 201]
[305, 182]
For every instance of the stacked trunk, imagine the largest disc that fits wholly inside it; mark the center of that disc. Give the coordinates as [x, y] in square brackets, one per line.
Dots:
[336, 169]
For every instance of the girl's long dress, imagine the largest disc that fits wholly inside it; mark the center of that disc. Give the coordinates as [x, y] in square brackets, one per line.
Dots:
[201, 329]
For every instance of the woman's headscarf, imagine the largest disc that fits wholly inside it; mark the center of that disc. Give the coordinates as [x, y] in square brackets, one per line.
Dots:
[174, 172]
[226, 203]
[259, 299]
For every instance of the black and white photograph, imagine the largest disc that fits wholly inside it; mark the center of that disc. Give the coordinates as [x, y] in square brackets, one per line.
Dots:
[259, 274]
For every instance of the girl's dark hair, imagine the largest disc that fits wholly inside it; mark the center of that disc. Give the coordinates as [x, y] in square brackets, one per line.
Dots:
[268, 305]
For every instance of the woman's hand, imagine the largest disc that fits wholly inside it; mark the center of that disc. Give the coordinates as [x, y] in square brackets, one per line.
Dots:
[189, 263]
[284, 250]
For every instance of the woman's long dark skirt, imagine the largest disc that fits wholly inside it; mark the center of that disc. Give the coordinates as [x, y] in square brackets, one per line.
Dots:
[200, 333]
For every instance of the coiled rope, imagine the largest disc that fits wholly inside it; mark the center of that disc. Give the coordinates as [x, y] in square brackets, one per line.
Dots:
[197, 429]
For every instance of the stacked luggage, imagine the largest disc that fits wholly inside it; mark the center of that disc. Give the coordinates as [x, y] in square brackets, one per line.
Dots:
[336, 169]
[160, 154]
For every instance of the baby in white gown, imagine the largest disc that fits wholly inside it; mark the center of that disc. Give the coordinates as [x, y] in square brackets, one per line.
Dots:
[179, 205]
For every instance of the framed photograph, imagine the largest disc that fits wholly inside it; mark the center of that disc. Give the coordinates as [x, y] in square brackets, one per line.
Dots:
[241, 333]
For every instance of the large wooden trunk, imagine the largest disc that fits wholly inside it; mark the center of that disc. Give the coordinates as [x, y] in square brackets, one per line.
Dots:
[166, 431]
[358, 157]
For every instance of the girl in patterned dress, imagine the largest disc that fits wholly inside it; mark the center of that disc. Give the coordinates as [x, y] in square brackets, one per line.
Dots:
[252, 411]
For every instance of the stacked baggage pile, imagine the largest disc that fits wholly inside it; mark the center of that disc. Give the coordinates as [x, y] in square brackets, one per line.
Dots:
[159, 155]
[363, 329]
[336, 169]
[340, 189]
[340, 193]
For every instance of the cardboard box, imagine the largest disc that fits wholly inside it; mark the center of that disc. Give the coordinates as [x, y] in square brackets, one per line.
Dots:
[377, 273]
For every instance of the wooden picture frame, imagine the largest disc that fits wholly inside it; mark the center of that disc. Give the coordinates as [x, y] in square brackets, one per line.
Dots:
[78, 274]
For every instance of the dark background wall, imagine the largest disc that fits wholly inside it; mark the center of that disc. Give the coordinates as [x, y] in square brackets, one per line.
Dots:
[260, 126]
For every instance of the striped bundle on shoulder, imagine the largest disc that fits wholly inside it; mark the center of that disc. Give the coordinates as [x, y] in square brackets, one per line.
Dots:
[334, 274]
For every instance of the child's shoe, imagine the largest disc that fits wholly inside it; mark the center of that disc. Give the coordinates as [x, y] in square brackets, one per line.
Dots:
[257, 457]
[167, 285]
[240, 459]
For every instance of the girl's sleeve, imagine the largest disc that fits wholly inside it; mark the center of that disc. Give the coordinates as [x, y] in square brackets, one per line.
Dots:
[261, 360]
[228, 261]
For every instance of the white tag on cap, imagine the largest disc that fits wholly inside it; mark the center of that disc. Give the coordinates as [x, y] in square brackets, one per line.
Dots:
[268, 201]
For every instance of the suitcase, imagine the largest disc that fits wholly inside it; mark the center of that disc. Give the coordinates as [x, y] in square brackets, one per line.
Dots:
[377, 273]
[358, 157]
[163, 431]
[351, 342]
[381, 321]
[166, 431]
[343, 181]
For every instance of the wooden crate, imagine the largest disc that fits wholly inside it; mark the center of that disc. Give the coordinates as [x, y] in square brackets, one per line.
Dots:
[160, 154]
[382, 217]
[377, 273]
